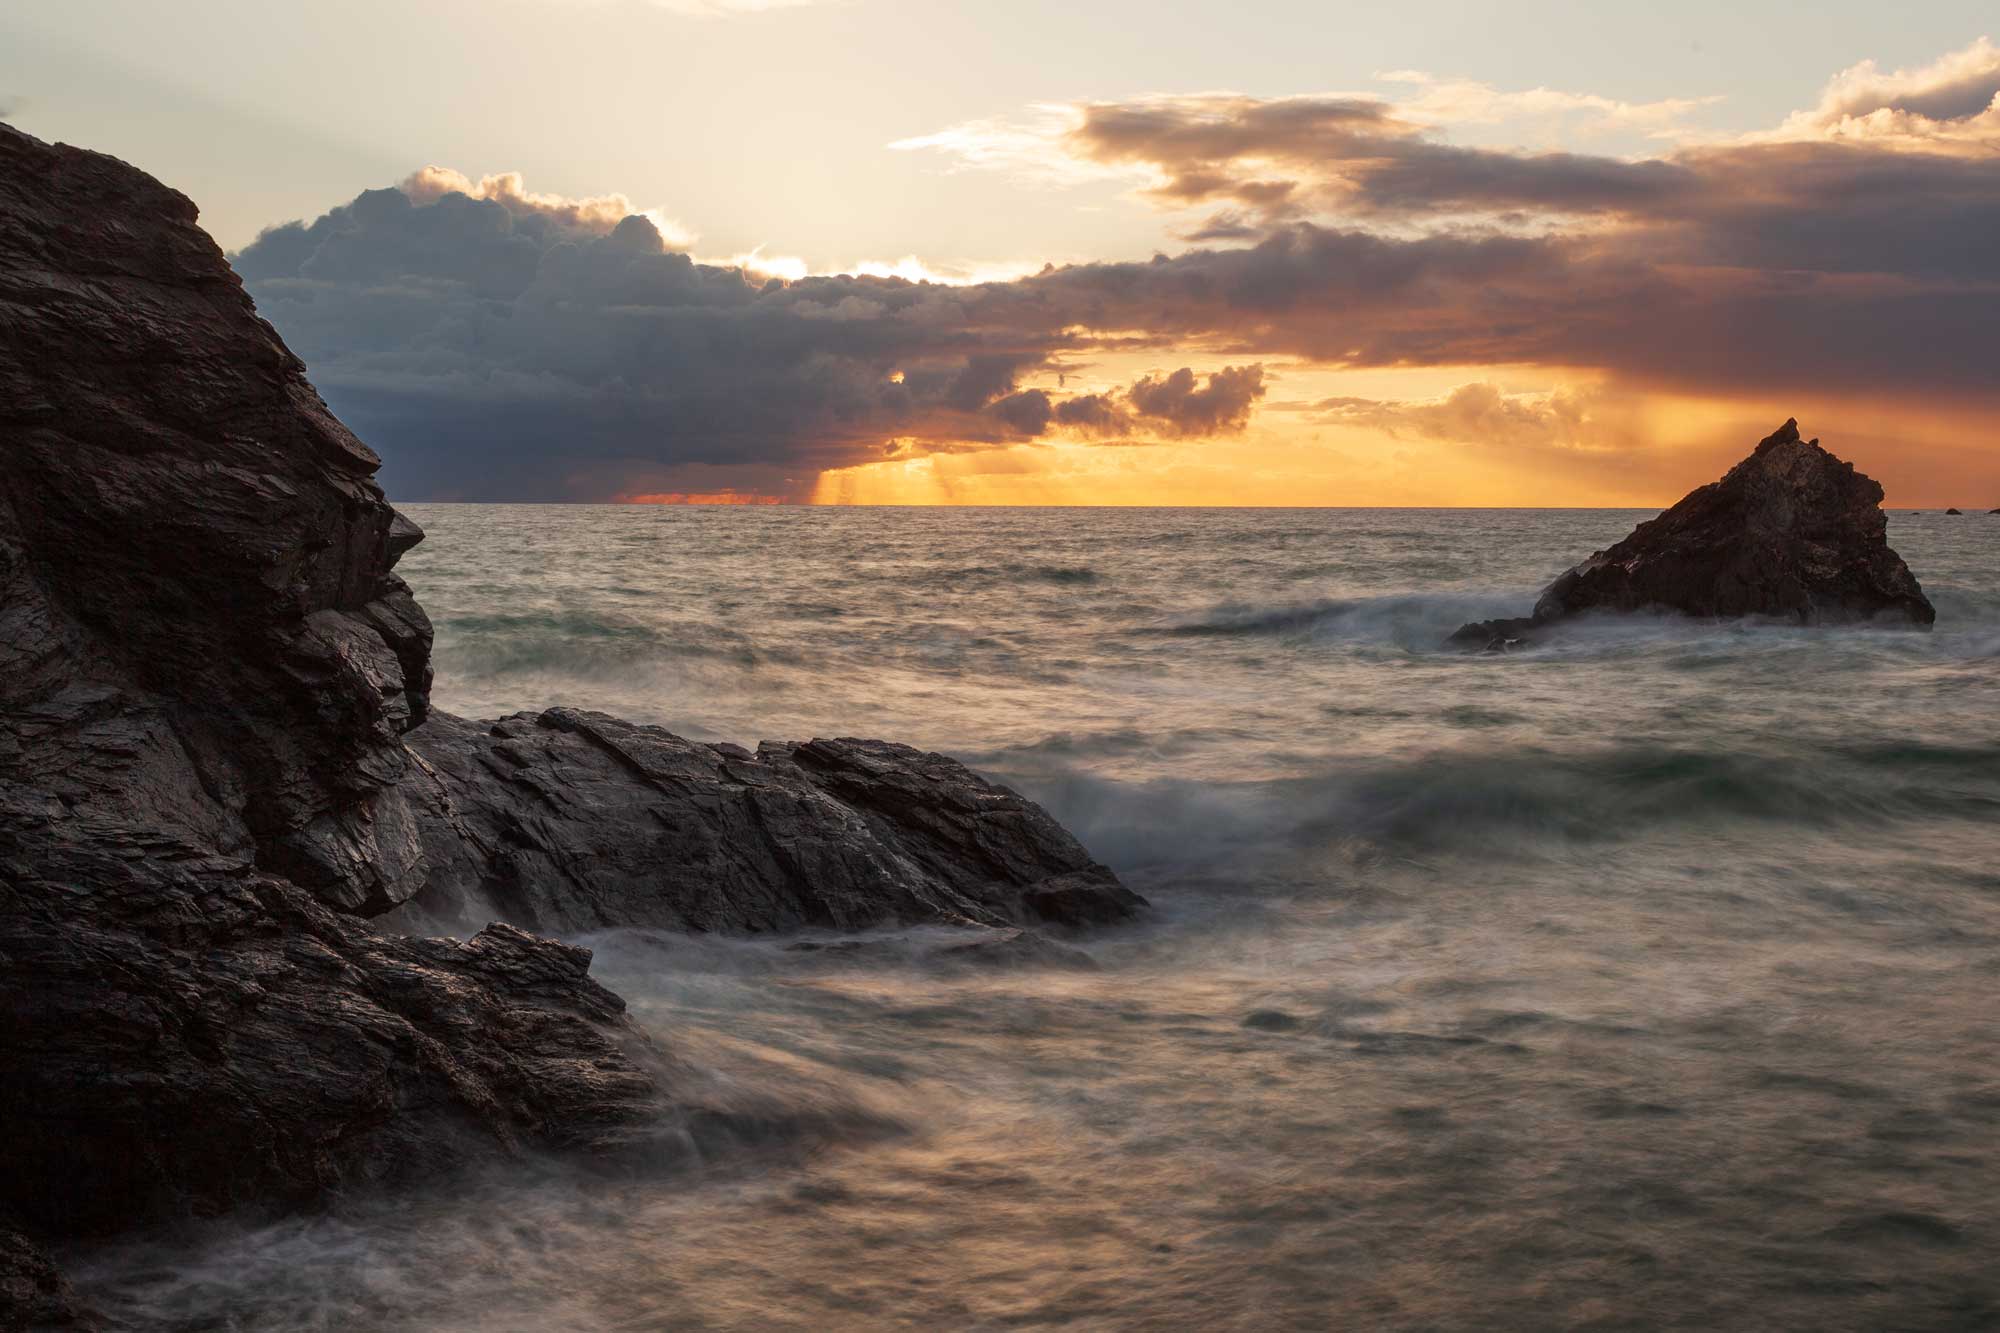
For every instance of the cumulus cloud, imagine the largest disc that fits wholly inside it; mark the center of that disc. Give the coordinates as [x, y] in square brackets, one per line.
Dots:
[496, 341]
[592, 214]
[1175, 406]
[1949, 105]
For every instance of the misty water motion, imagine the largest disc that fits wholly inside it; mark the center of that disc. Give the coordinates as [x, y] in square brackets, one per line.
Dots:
[1641, 978]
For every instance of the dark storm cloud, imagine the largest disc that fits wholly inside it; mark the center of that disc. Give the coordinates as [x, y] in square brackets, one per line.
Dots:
[494, 350]
[488, 349]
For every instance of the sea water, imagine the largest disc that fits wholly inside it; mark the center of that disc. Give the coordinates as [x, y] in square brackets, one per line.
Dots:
[1648, 977]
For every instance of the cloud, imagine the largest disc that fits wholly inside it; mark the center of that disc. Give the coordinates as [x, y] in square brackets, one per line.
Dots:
[1220, 406]
[593, 215]
[1448, 102]
[1949, 105]
[1278, 159]
[500, 342]
[1479, 414]
[1364, 160]
[1176, 406]
[494, 342]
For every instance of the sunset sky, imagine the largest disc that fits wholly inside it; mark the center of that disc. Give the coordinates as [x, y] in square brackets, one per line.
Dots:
[1281, 253]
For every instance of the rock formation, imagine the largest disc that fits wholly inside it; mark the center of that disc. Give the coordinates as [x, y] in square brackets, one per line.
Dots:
[1790, 533]
[575, 821]
[33, 1292]
[1959, 512]
[215, 762]
[206, 667]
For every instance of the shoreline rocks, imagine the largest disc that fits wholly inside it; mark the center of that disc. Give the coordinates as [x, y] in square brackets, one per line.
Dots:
[572, 821]
[218, 758]
[1791, 533]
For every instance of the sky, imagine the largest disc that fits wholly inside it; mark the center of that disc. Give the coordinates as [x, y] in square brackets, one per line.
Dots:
[1263, 253]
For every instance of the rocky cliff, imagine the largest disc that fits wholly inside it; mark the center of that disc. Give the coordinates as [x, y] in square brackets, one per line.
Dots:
[1790, 533]
[206, 670]
[218, 759]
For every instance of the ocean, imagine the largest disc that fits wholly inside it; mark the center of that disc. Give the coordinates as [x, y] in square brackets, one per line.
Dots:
[1649, 977]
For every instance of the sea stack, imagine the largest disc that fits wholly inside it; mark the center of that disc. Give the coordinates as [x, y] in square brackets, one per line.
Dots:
[1791, 534]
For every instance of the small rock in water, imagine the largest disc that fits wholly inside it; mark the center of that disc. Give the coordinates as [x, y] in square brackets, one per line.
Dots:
[1272, 1020]
[1955, 511]
[1791, 533]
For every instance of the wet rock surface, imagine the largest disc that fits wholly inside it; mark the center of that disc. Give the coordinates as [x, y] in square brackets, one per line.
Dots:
[570, 821]
[33, 1292]
[1791, 533]
[206, 670]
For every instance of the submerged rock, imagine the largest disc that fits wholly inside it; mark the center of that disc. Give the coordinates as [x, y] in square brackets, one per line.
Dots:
[573, 821]
[1791, 533]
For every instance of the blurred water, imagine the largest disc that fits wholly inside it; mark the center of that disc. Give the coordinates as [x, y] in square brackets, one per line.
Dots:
[1646, 978]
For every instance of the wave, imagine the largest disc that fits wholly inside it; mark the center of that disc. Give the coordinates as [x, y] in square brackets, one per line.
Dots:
[960, 575]
[1412, 619]
[1528, 802]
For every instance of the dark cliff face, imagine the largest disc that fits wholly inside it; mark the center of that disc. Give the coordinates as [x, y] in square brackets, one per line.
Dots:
[189, 536]
[206, 668]
[1790, 533]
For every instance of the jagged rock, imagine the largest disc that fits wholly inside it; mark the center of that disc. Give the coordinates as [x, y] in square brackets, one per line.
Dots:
[206, 667]
[1791, 533]
[573, 821]
[33, 1292]
[210, 1037]
[194, 553]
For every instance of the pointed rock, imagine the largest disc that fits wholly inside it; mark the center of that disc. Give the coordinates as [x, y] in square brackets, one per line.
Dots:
[1791, 533]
